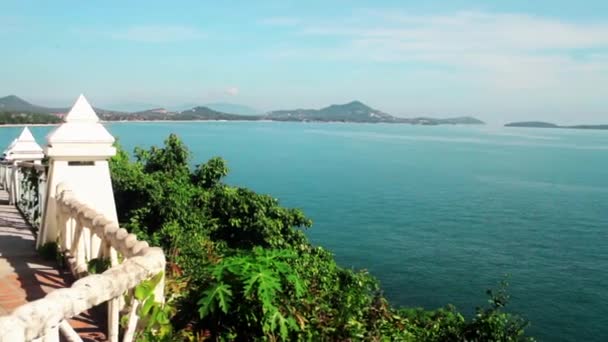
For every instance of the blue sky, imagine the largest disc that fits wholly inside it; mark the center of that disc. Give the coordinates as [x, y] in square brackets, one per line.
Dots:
[496, 60]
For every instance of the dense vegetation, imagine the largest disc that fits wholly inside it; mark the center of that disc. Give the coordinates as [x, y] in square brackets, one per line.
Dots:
[241, 268]
[7, 118]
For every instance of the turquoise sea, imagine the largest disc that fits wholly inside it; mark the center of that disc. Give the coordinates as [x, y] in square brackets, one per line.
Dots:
[438, 214]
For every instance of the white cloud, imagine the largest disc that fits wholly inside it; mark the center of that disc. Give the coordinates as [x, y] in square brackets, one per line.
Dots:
[232, 91]
[465, 34]
[158, 33]
[504, 51]
[471, 30]
[504, 63]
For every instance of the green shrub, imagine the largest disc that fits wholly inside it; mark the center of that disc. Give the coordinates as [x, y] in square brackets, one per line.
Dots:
[241, 268]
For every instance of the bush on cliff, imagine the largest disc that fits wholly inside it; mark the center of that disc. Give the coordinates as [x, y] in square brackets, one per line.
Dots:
[241, 268]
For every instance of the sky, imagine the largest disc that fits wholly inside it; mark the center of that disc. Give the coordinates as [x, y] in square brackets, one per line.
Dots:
[499, 61]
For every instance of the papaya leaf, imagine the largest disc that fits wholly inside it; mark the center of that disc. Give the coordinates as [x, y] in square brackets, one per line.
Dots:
[218, 296]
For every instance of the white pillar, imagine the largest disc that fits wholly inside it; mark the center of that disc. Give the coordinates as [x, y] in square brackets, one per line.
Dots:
[24, 148]
[78, 152]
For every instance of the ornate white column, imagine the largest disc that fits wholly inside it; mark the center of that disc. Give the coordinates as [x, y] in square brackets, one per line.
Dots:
[78, 152]
[24, 148]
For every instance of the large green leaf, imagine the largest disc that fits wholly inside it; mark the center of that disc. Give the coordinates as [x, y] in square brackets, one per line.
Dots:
[218, 296]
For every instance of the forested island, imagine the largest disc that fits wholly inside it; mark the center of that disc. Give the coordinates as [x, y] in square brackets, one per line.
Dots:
[19, 110]
[540, 124]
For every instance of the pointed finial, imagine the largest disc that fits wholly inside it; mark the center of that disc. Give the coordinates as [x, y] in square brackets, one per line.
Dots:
[24, 147]
[81, 135]
[82, 112]
[26, 135]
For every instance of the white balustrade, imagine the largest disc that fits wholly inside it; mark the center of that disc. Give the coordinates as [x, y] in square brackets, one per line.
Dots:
[82, 221]
[131, 262]
[30, 191]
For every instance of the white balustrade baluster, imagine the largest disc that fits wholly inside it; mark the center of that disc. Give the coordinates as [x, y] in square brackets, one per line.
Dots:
[52, 335]
[132, 321]
[68, 332]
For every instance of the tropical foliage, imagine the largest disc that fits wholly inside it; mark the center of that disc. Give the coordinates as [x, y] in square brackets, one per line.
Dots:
[241, 268]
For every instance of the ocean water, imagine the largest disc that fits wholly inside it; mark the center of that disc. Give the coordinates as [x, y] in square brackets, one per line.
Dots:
[437, 214]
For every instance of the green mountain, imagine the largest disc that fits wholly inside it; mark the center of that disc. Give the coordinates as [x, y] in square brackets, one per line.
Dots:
[14, 110]
[232, 108]
[145, 115]
[204, 113]
[156, 114]
[354, 111]
[14, 103]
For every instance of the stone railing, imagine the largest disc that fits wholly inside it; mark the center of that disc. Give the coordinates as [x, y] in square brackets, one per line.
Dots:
[30, 189]
[83, 235]
[5, 173]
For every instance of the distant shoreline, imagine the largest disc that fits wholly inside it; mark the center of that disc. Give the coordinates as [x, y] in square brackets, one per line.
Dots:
[177, 121]
[548, 125]
[297, 121]
[30, 125]
[288, 121]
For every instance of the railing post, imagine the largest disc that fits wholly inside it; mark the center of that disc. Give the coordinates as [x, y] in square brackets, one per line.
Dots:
[24, 148]
[41, 195]
[78, 152]
[4, 169]
[13, 186]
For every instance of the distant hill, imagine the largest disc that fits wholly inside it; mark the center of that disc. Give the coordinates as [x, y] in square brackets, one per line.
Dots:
[159, 114]
[14, 110]
[462, 120]
[232, 108]
[587, 127]
[354, 111]
[154, 111]
[204, 113]
[14, 103]
[535, 124]
[144, 115]
[540, 124]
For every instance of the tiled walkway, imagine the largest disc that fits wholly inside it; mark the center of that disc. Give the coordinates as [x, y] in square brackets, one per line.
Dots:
[25, 276]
